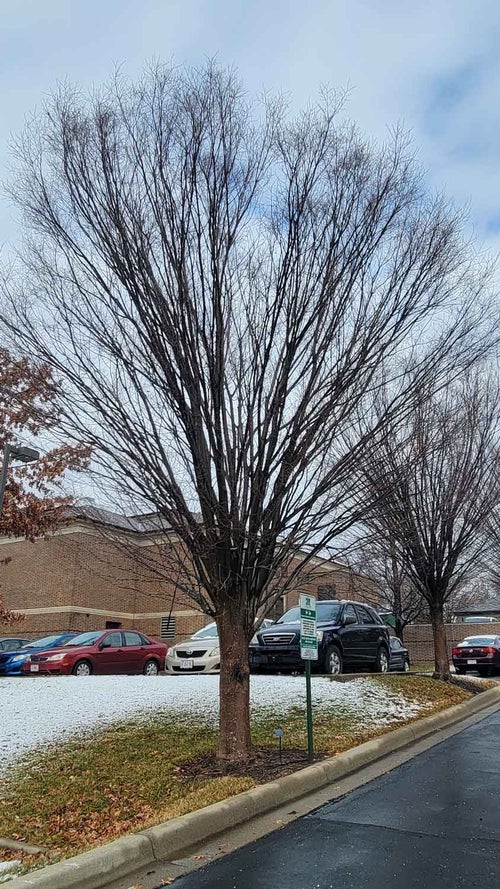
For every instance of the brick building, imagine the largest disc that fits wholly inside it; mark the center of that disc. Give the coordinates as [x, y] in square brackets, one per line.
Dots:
[92, 573]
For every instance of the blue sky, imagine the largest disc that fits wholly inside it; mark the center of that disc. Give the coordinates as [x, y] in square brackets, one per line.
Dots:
[433, 66]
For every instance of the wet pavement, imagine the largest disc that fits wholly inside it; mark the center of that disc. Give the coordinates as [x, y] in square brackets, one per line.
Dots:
[432, 823]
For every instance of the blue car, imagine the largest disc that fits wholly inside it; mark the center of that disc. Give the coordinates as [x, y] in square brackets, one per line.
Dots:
[11, 662]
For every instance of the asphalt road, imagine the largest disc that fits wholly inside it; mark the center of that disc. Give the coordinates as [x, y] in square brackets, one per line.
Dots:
[433, 823]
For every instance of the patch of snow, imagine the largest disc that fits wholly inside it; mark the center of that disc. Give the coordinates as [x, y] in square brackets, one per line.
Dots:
[47, 709]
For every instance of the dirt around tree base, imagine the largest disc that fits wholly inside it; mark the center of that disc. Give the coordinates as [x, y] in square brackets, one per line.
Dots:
[265, 765]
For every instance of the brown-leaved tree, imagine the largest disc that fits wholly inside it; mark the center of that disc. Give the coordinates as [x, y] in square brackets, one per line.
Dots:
[34, 500]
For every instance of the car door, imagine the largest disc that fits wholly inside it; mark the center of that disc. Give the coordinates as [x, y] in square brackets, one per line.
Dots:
[369, 635]
[397, 658]
[108, 656]
[349, 636]
[133, 652]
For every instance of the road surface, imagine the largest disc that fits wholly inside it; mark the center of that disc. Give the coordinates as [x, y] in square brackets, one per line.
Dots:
[432, 823]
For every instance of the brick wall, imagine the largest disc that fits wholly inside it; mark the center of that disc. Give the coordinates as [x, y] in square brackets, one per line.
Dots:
[77, 580]
[418, 638]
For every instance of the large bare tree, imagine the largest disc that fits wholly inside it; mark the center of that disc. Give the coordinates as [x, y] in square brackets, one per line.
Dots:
[434, 485]
[223, 288]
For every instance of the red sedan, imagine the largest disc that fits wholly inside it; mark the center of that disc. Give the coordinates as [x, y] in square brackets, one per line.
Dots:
[108, 651]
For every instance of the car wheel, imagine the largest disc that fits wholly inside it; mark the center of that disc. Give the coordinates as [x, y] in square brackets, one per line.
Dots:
[82, 668]
[333, 661]
[382, 662]
[151, 668]
[406, 666]
[460, 670]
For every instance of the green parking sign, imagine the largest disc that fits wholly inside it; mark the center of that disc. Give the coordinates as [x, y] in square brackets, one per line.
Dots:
[308, 637]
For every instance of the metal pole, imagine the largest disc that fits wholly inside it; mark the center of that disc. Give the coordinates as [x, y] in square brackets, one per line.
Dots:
[3, 477]
[310, 742]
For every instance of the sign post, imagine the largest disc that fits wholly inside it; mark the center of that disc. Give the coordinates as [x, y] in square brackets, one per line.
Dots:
[308, 653]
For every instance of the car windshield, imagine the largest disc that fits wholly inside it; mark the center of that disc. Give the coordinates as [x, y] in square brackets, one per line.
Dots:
[43, 643]
[209, 632]
[479, 640]
[324, 611]
[83, 639]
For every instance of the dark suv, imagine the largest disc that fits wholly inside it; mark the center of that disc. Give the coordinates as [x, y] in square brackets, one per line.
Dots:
[350, 635]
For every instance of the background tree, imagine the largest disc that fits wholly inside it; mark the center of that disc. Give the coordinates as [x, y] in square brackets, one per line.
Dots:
[435, 484]
[34, 498]
[223, 290]
[377, 554]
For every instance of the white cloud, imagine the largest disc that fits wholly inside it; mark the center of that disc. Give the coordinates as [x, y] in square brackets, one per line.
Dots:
[431, 65]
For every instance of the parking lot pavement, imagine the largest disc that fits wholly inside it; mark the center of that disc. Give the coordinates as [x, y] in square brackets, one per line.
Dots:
[433, 822]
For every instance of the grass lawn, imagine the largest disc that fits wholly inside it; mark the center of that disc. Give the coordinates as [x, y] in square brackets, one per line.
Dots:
[82, 793]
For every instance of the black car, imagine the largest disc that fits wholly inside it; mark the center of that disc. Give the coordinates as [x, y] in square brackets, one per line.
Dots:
[11, 643]
[400, 657]
[350, 635]
[477, 654]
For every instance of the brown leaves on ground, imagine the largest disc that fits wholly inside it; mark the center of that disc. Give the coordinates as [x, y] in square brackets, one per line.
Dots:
[80, 794]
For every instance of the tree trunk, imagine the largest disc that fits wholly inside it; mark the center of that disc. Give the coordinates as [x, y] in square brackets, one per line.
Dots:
[400, 629]
[235, 743]
[441, 655]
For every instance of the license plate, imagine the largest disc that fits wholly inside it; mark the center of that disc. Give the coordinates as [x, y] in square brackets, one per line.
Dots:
[187, 665]
[34, 668]
[472, 662]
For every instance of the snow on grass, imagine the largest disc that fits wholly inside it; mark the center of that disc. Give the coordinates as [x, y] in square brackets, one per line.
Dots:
[47, 709]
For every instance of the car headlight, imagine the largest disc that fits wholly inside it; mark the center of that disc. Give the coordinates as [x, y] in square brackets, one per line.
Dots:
[56, 657]
[18, 658]
[214, 652]
[254, 640]
[319, 635]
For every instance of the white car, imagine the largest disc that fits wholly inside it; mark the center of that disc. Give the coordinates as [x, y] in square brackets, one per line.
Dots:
[198, 654]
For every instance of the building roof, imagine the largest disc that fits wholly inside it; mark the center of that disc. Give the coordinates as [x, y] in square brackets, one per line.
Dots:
[487, 607]
[140, 524]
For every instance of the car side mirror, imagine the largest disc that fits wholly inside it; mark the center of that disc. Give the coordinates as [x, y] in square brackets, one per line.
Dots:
[347, 621]
[104, 644]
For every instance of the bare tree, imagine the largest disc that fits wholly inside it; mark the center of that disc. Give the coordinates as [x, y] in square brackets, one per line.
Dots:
[223, 289]
[435, 481]
[376, 553]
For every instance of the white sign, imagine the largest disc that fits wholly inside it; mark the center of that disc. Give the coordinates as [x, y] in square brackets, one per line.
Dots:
[308, 637]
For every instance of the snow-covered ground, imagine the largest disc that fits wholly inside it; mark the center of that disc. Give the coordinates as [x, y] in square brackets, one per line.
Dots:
[37, 711]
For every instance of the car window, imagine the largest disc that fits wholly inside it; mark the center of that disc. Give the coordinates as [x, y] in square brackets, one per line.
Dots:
[209, 632]
[479, 640]
[324, 611]
[83, 639]
[113, 640]
[350, 612]
[145, 640]
[364, 615]
[45, 642]
[11, 644]
[132, 639]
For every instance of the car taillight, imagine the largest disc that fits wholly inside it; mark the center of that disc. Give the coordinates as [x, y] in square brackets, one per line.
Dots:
[488, 650]
[456, 652]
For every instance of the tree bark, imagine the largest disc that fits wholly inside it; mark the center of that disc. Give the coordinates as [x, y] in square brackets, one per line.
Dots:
[235, 744]
[441, 655]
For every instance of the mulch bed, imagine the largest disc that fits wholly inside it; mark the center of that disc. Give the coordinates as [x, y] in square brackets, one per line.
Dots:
[265, 765]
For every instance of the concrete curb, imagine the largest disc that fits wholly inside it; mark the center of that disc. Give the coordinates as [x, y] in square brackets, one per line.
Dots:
[97, 868]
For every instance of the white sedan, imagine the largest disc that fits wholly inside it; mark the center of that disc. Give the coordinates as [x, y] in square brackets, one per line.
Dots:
[198, 654]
